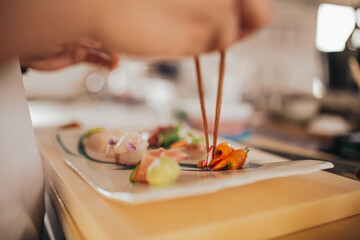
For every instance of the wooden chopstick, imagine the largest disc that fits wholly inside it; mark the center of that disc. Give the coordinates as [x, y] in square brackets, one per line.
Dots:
[219, 97]
[202, 102]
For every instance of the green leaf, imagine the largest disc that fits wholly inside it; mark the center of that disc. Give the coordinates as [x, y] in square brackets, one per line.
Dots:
[195, 140]
[190, 134]
[228, 165]
[133, 173]
[94, 130]
[169, 137]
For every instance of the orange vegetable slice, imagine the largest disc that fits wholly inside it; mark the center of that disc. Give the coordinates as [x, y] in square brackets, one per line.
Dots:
[223, 150]
[236, 160]
[201, 164]
[215, 161]
[178, 144]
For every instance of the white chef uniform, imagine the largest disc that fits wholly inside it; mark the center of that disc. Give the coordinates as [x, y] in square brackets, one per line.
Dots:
[21, 176]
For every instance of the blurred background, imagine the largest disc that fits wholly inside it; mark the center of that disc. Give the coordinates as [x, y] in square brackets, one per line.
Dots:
[291, 89]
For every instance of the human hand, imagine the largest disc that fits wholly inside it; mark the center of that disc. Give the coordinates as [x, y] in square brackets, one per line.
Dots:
[141, 27]
[56, 57]
[178, 27]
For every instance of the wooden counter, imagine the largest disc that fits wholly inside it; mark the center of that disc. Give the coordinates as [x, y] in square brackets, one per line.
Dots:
[265, 209]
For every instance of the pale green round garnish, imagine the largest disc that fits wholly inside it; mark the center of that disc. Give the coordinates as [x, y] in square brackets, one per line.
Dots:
[162, 171]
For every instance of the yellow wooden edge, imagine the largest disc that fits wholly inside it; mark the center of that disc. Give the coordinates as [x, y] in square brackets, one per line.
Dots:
[69, 227]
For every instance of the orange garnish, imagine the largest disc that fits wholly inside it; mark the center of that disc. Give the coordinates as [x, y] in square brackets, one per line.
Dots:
[226, 158]
[236, 160]
[178, 144]
[223, 150]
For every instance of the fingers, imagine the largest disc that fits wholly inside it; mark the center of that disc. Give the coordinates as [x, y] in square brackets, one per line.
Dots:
[254, 15]
[96, 53]
[70, 55]
[111, 62]
[79, 54]
[88, 43]
[160, 28]
[180, 27]
[244, 18]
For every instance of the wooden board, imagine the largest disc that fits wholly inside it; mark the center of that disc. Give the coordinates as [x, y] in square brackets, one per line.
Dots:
[264, 209]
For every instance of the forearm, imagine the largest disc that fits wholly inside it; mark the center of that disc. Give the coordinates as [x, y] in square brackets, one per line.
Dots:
[28, 25]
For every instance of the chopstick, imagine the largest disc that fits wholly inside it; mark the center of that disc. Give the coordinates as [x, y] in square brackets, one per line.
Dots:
[202, 102]
[218, 100]
[219, 97]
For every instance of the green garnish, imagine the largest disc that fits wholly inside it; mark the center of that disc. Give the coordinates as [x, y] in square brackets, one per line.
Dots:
[167, 138]
[247, 149]
[94, 130]
[195, 140]
[228, 165]
[132, 175]
[218, 152]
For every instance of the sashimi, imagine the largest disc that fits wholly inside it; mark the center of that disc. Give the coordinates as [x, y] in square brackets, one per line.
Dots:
[125, 148]
[150, 156]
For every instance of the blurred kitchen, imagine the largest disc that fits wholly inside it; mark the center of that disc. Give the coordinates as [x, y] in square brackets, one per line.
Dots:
[291, 89]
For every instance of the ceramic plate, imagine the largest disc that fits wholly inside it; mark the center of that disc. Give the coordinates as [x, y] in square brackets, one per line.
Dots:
[112, 180]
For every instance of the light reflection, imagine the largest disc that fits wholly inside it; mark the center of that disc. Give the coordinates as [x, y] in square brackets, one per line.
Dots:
[95, 82]
[160, 95]
[355, 40]
[118, 82]
[317, 88]
[48, 114]
[335, 23]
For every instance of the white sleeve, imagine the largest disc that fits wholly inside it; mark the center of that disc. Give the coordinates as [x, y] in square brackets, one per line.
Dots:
[21, 176]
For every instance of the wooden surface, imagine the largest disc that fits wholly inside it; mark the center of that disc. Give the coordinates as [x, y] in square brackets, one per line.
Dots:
[265, 209]
[68, 226]
[345, 229]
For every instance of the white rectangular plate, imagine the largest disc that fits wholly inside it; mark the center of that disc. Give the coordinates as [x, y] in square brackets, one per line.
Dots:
[112, 181]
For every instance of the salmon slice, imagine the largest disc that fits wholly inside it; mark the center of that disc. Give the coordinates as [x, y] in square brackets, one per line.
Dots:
[150, 156]
[175, 155]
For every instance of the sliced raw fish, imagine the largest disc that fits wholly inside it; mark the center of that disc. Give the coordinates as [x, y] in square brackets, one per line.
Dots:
[150, 156]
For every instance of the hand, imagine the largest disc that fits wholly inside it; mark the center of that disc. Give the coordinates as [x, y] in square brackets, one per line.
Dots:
[135, 27]
[56, 57]
[178, 27]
